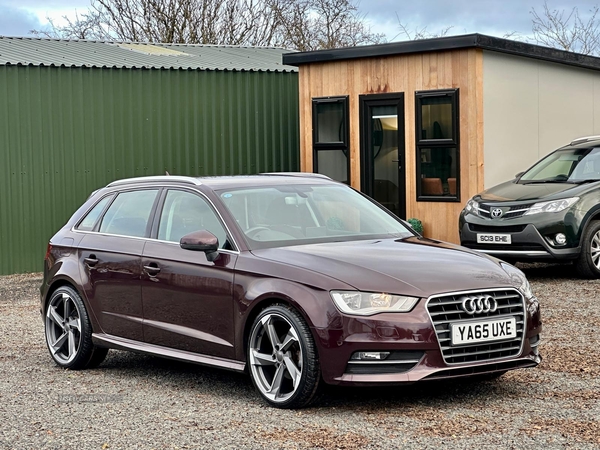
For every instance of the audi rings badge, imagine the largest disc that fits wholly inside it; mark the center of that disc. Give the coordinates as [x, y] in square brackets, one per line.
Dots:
[479, 304]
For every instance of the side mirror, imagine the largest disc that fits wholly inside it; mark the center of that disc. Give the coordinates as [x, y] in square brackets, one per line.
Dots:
[519, 174]
[201, 241]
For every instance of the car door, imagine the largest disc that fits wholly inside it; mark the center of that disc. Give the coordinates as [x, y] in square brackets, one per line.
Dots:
[188, 299]
[110, 254]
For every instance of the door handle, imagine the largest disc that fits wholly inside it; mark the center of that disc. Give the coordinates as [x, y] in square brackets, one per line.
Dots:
[91, 260]
[152, 269]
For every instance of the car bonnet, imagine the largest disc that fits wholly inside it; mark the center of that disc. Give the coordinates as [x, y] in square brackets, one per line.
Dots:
[412, 266]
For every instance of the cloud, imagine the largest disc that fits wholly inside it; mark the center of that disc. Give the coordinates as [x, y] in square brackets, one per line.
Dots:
[16, 21]
[464, 16]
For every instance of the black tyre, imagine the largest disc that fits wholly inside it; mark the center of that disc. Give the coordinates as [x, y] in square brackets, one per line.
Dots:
[69, 333]
[588, 263]
[282, 358]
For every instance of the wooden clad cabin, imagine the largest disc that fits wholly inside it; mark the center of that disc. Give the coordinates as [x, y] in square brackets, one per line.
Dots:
[421, 126]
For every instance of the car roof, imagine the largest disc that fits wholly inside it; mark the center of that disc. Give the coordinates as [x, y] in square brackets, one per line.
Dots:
[228, 181]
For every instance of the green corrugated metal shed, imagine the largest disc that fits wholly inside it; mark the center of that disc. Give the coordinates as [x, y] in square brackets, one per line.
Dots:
[75, 115]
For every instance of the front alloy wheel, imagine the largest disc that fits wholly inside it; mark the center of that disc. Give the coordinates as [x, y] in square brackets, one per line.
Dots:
[69, 333]
[282, 358]
[588, 263]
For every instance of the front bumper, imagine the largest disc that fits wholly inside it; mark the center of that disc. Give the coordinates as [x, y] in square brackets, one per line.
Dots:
[414, 348]
[529, 242]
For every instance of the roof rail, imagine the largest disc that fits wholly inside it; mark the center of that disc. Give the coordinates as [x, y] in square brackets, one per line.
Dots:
[157, 178]
[297, 174]
[583, 139]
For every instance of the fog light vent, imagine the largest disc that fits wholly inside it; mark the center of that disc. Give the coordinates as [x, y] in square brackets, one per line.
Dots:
[369, 356]
[374, 363]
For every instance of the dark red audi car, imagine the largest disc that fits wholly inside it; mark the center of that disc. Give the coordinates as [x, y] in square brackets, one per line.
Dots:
[293, 277]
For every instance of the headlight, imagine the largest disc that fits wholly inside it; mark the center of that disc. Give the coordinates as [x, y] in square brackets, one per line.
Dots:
[553, 206]
[519, 280]
[366, 303]
[472, 207]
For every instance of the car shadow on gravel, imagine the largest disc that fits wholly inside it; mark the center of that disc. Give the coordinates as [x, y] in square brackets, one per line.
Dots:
[546, 271]
[467, 391]
[192, 379]
[179, 376]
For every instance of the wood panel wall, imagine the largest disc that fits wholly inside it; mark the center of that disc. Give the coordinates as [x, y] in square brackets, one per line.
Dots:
[462, 69]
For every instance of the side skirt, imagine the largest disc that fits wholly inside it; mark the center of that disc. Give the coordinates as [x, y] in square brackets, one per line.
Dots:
[106, 340]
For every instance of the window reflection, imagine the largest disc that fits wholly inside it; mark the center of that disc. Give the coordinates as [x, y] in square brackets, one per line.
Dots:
[436, 118]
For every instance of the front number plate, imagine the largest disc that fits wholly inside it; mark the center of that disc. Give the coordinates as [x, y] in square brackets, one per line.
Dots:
[493, 238]
[484, 331]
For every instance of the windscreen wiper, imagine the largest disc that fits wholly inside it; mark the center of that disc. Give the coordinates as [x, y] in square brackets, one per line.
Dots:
[587, 180]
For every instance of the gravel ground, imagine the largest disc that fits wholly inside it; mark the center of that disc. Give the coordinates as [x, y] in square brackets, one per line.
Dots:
[135, 401]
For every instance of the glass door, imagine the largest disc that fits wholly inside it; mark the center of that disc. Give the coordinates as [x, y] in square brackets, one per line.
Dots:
[382, 150]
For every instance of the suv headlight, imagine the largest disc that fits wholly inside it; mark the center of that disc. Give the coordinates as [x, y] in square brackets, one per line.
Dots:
[472, 207]
[519, 280]
[367, 303]
[553, 206]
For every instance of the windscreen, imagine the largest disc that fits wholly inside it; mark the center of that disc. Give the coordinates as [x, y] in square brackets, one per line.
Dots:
[274, 216]
[567, 165]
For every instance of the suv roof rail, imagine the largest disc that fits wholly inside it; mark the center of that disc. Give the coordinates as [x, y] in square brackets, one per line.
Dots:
[157, 178]
[583, 139]
[298, 174]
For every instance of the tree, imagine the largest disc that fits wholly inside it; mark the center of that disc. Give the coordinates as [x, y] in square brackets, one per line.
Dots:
[418, 32]
[567, 30]
[295, 24]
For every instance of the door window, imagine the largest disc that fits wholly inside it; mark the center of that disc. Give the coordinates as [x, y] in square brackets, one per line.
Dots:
[129, 213]
[184, 213]
[382, 149]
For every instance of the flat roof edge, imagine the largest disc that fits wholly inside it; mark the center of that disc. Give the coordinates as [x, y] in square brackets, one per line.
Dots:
[476, 40]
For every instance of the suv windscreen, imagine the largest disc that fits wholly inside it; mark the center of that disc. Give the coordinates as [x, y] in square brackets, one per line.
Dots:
[566, 166]
[274, 216]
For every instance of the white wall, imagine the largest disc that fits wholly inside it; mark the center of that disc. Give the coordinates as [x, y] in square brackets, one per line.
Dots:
[532, 107]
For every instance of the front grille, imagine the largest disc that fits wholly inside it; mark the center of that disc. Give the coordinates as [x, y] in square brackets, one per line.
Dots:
[477, 370]
[510, 213]
[495, 229]
[446, 310]
[515, 246]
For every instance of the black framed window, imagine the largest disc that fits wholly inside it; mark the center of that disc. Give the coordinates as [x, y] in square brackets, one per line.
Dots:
[330, 137]
[438, 151]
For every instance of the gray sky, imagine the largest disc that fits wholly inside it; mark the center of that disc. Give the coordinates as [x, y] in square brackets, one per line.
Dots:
[495, 17]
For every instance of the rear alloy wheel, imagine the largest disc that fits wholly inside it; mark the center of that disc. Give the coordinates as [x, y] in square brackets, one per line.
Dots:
[69, 333]
[282, 358]
[588, 263]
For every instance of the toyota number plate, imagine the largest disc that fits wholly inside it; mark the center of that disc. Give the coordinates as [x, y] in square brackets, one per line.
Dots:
[484, 331]
[493, 238]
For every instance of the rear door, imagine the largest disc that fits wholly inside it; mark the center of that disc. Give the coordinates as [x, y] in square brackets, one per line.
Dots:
[188, 299]
[110, 254]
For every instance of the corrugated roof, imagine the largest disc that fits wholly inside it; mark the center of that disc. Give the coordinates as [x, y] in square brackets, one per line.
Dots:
[81, 53]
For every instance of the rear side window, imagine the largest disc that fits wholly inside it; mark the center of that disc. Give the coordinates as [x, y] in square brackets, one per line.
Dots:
[88, 222]
[129, 213]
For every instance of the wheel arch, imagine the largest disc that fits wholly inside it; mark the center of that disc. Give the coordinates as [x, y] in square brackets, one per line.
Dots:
[592, 214]
[313, 309]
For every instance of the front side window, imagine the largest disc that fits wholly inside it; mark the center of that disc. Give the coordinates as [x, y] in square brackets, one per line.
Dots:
[438, 156]
[184, 213]
[276, 216]
[129, 214]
